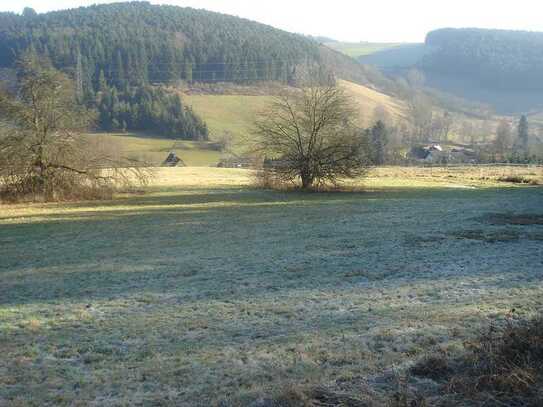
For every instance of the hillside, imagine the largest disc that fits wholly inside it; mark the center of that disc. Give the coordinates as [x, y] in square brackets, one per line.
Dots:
[395, 59]
[117, 53]
[131, 43]
[137, 41]
[235, 113]
[501, 68]
[370, 99]
[498, 59]
[360, 49]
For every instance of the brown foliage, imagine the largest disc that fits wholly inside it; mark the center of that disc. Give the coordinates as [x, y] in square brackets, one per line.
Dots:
[504, 364]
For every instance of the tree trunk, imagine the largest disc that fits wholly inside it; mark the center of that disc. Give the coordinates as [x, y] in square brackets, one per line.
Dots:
[307, 179]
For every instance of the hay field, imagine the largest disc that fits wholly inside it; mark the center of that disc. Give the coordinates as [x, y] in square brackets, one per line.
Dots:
[204, 291]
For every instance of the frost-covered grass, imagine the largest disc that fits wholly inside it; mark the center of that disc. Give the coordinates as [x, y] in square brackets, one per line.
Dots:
[189, 296]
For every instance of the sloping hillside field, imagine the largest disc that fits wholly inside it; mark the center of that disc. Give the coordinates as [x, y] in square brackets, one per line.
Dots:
[235, 114]
[192, 295]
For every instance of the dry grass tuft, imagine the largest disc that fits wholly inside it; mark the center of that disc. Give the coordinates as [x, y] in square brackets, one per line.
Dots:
[504, 364]
[433, 366]
[517, 179]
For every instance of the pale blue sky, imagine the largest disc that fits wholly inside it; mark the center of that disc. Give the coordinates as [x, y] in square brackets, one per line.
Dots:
[375, 20]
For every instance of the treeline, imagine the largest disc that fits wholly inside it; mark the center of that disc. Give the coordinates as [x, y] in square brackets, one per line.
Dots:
[149, 108]
[499, 59]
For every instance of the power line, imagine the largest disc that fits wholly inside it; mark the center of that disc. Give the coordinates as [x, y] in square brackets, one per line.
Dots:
[284, 63]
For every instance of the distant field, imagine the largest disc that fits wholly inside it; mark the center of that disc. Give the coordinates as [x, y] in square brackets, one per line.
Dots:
[231, 113]
[204, 291]
[358, 49]
[236, 113]
[154, 150]
[368, 100]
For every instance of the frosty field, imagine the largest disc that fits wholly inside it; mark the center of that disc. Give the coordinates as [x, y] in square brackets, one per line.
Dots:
[223, 294]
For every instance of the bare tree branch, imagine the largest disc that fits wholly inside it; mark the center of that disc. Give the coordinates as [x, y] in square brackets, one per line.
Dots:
[310, 135]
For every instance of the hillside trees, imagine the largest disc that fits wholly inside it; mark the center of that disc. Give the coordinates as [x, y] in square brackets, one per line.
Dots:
[116, 52]
[135, 43]
[42, 152]
[149, 108]
[311, 136]
[498, 59]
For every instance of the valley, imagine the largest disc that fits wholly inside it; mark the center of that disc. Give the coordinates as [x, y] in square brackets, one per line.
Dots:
[198, 208]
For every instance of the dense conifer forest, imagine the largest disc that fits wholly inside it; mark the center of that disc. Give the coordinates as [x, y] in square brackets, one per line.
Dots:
[116, 52]
[498, 59]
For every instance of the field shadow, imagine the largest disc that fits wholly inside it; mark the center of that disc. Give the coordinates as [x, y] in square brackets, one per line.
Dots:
[138, 203]
[224, 252]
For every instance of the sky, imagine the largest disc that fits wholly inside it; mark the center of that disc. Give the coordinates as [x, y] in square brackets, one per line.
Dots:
[355, 20]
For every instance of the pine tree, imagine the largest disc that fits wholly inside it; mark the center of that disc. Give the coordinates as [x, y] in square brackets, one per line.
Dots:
[188, 72]
[102, 83]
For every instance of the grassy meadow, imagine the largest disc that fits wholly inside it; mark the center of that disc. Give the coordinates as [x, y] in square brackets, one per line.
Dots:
[359, 49]
[228, 113]
[204, 291]
[236, 113]
[154, 149]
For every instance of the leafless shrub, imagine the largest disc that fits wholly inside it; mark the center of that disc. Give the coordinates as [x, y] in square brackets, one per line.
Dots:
[310, 136]
[516, 179]
[504, 364]
[43, 155]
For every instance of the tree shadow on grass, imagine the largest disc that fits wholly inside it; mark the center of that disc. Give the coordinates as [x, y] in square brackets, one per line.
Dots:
[223, 253]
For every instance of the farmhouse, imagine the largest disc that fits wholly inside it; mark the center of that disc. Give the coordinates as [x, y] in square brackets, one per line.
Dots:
[173, 161]
[430, 154]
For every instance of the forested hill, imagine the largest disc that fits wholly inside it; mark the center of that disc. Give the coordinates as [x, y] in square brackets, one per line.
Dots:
[498, 59]
[139, 42]
[117, 52]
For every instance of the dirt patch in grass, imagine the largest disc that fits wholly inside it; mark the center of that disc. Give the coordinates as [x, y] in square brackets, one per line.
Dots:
[487, 236]
[513, 219]
[424, 241]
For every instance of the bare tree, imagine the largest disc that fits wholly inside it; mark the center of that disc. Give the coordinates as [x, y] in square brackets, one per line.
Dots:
[468, 132]
[42, 151]
[420, 115]
[311, 135]
[225, 141]
[504, 138]
[442, 126]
